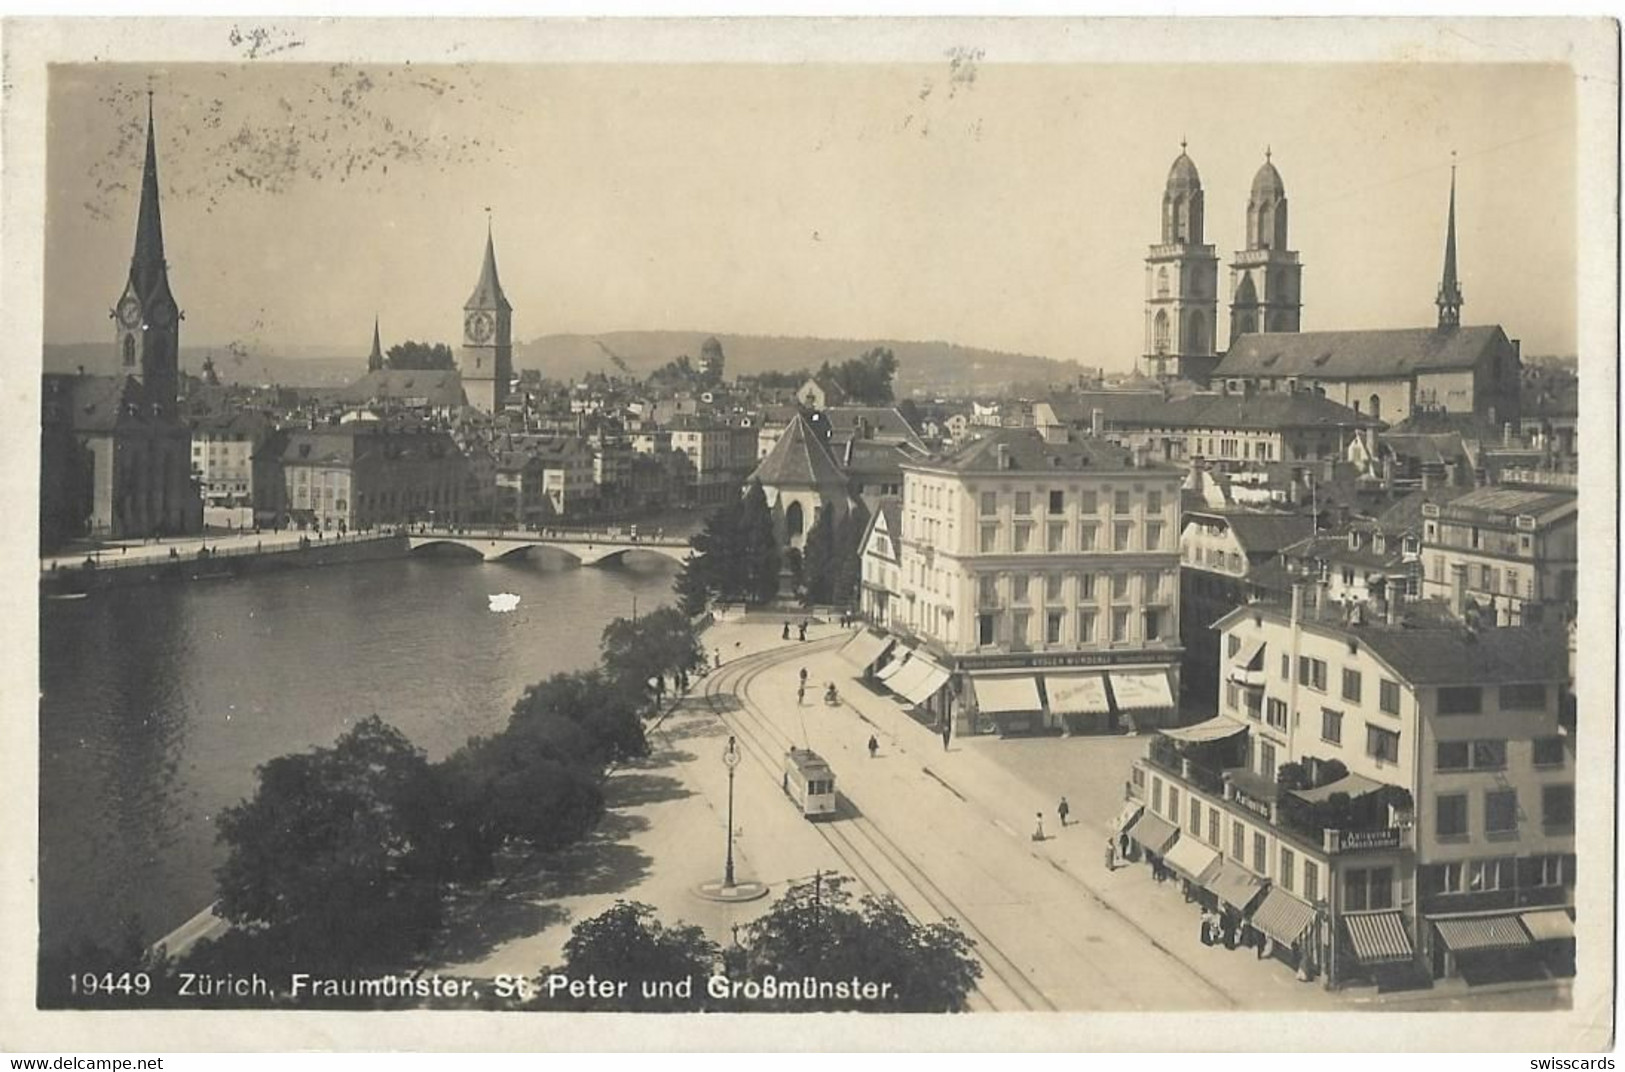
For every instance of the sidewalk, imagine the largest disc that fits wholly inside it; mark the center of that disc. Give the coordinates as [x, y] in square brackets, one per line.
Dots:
[1091, 772]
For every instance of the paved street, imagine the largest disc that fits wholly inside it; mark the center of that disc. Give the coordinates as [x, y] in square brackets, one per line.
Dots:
[948, 833]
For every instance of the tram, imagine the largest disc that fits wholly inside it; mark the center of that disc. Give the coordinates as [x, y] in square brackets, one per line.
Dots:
[809, 783]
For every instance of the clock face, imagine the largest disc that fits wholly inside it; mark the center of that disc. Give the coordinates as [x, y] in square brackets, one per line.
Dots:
[129, 312]
[479, 326]
[162, 314]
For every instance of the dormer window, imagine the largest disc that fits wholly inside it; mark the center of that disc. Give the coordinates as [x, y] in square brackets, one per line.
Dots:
[1378, 543]
[1354, 540]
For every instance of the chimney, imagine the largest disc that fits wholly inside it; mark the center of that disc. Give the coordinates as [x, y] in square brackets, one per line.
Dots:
[1395, 599]
[1450, 474]
[1427, 477]
[1002, 452]
[1097, 422]
[1297, 603]
[1458, 589]
[1506, 434]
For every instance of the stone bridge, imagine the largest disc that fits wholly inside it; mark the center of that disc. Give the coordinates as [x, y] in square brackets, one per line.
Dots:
[586, 548]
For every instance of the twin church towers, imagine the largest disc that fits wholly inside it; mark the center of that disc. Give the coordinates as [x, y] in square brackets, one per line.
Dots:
[1182, 276]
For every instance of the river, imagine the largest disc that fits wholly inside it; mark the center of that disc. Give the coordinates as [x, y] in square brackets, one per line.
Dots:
[158, 701]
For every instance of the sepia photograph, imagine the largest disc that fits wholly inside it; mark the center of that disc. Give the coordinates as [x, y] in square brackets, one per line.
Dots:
[756, 519]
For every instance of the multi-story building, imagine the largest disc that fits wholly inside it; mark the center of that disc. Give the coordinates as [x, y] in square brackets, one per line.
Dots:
[1227, 558]
[1043, 577]
[710, 449]
[882, 593]
[1512, 551]
[567, 476]
[1392, 793]
[356, 476]
[224, 449]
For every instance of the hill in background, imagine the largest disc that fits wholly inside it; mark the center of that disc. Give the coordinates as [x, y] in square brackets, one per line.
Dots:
[926, 369]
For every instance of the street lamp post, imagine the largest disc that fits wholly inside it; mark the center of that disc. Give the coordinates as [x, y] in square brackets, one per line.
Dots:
[730, 759]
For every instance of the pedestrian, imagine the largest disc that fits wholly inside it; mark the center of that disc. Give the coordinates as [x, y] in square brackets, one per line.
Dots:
[947, 731]
[803, 677]
[1038, 831]
[801, 694]
[803, 629]
[718, 654]
[1111, 855]
[786, 634]
[1063, 809]
[874, 746]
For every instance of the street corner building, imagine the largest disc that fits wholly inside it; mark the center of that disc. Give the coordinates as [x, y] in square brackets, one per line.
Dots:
[1027, 584]
[1379, 797]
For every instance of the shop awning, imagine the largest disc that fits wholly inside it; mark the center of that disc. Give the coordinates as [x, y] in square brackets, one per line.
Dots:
[1282, 916]
[864, 648]
[1378, 937]
[1153, 832]
[1141, 690]
[1214, 729]
[899, 660]
[1001, 695]
[925, 683]
[1192, 859]
[1354, 785]
[1482, 933]
[1131, 811]
[1235, 885]
[1077, 694]
[1549, 926]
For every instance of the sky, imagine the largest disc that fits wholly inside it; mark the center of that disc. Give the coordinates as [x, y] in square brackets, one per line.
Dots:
[1006, 206]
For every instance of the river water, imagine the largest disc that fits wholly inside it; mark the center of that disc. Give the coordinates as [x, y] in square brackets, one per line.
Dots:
[158, 701]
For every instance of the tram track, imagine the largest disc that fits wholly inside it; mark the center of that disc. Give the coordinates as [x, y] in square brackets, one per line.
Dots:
[873, 858]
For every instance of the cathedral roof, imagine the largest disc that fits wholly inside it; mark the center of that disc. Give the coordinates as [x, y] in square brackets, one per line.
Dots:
[1362, 355]
[1267, 184]
[799, 460]
[1182, 177]
[488, 291]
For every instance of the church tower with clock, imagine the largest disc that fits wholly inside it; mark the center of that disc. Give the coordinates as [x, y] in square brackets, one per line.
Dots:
[485, 358]
[147, 331]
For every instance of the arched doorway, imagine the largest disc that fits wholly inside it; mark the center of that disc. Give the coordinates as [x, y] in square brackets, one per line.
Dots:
[793, 522]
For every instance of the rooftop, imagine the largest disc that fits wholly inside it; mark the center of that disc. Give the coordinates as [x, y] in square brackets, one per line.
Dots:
[1364, 355]
[1025, 450]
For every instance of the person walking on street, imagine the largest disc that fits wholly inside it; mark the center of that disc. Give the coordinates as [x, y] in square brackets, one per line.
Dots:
[786, 634]
[947, 730]
[1111, 855]
[801, 694]
[1038, 831]
[874, 746]
[802, 630]
[1063, 809]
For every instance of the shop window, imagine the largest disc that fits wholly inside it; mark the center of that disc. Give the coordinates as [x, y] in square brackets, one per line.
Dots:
[1368, 889]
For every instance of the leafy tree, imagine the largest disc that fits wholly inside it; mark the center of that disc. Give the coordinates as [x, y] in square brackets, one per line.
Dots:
[779, 380]
[867, 378]
[527, 786]
[818, 561]
[336, 853]
[420, 355]
[659, 645]
[848, 569]
[758, 545]
[816, 930]
[627, 943]
[602, 705]
[718, 550]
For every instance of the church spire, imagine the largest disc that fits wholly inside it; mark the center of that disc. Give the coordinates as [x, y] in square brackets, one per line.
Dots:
[147, 267]
[1449, 300]
[375, 360]
[488, 291]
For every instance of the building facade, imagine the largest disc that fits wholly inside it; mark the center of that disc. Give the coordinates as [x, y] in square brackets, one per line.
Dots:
[1512, 551]
[1181, 284]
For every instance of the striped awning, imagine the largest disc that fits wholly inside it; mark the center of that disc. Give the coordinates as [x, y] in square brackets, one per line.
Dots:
[899, 660]
[1153, 832]
[1378, 937]
[1007, 695]
[1247, 656]
[1282, 916]
[1141, 690]
[864, 648]
[1550, 925]
[1482, 933]
[923, 680]
[1131, 811]
[1077, 694]
[1192, 859]
[1235, 885]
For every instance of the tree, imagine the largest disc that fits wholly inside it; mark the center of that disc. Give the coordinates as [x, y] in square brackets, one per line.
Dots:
[816, 930]
[867, 378]
[639, 651]
[759, 548]
[718, 549]
[818, 561]
[692, 594]
[336, 853]
[420, 355]
[627, 943]
[601, 704]
[527, 785]
[847, 575]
